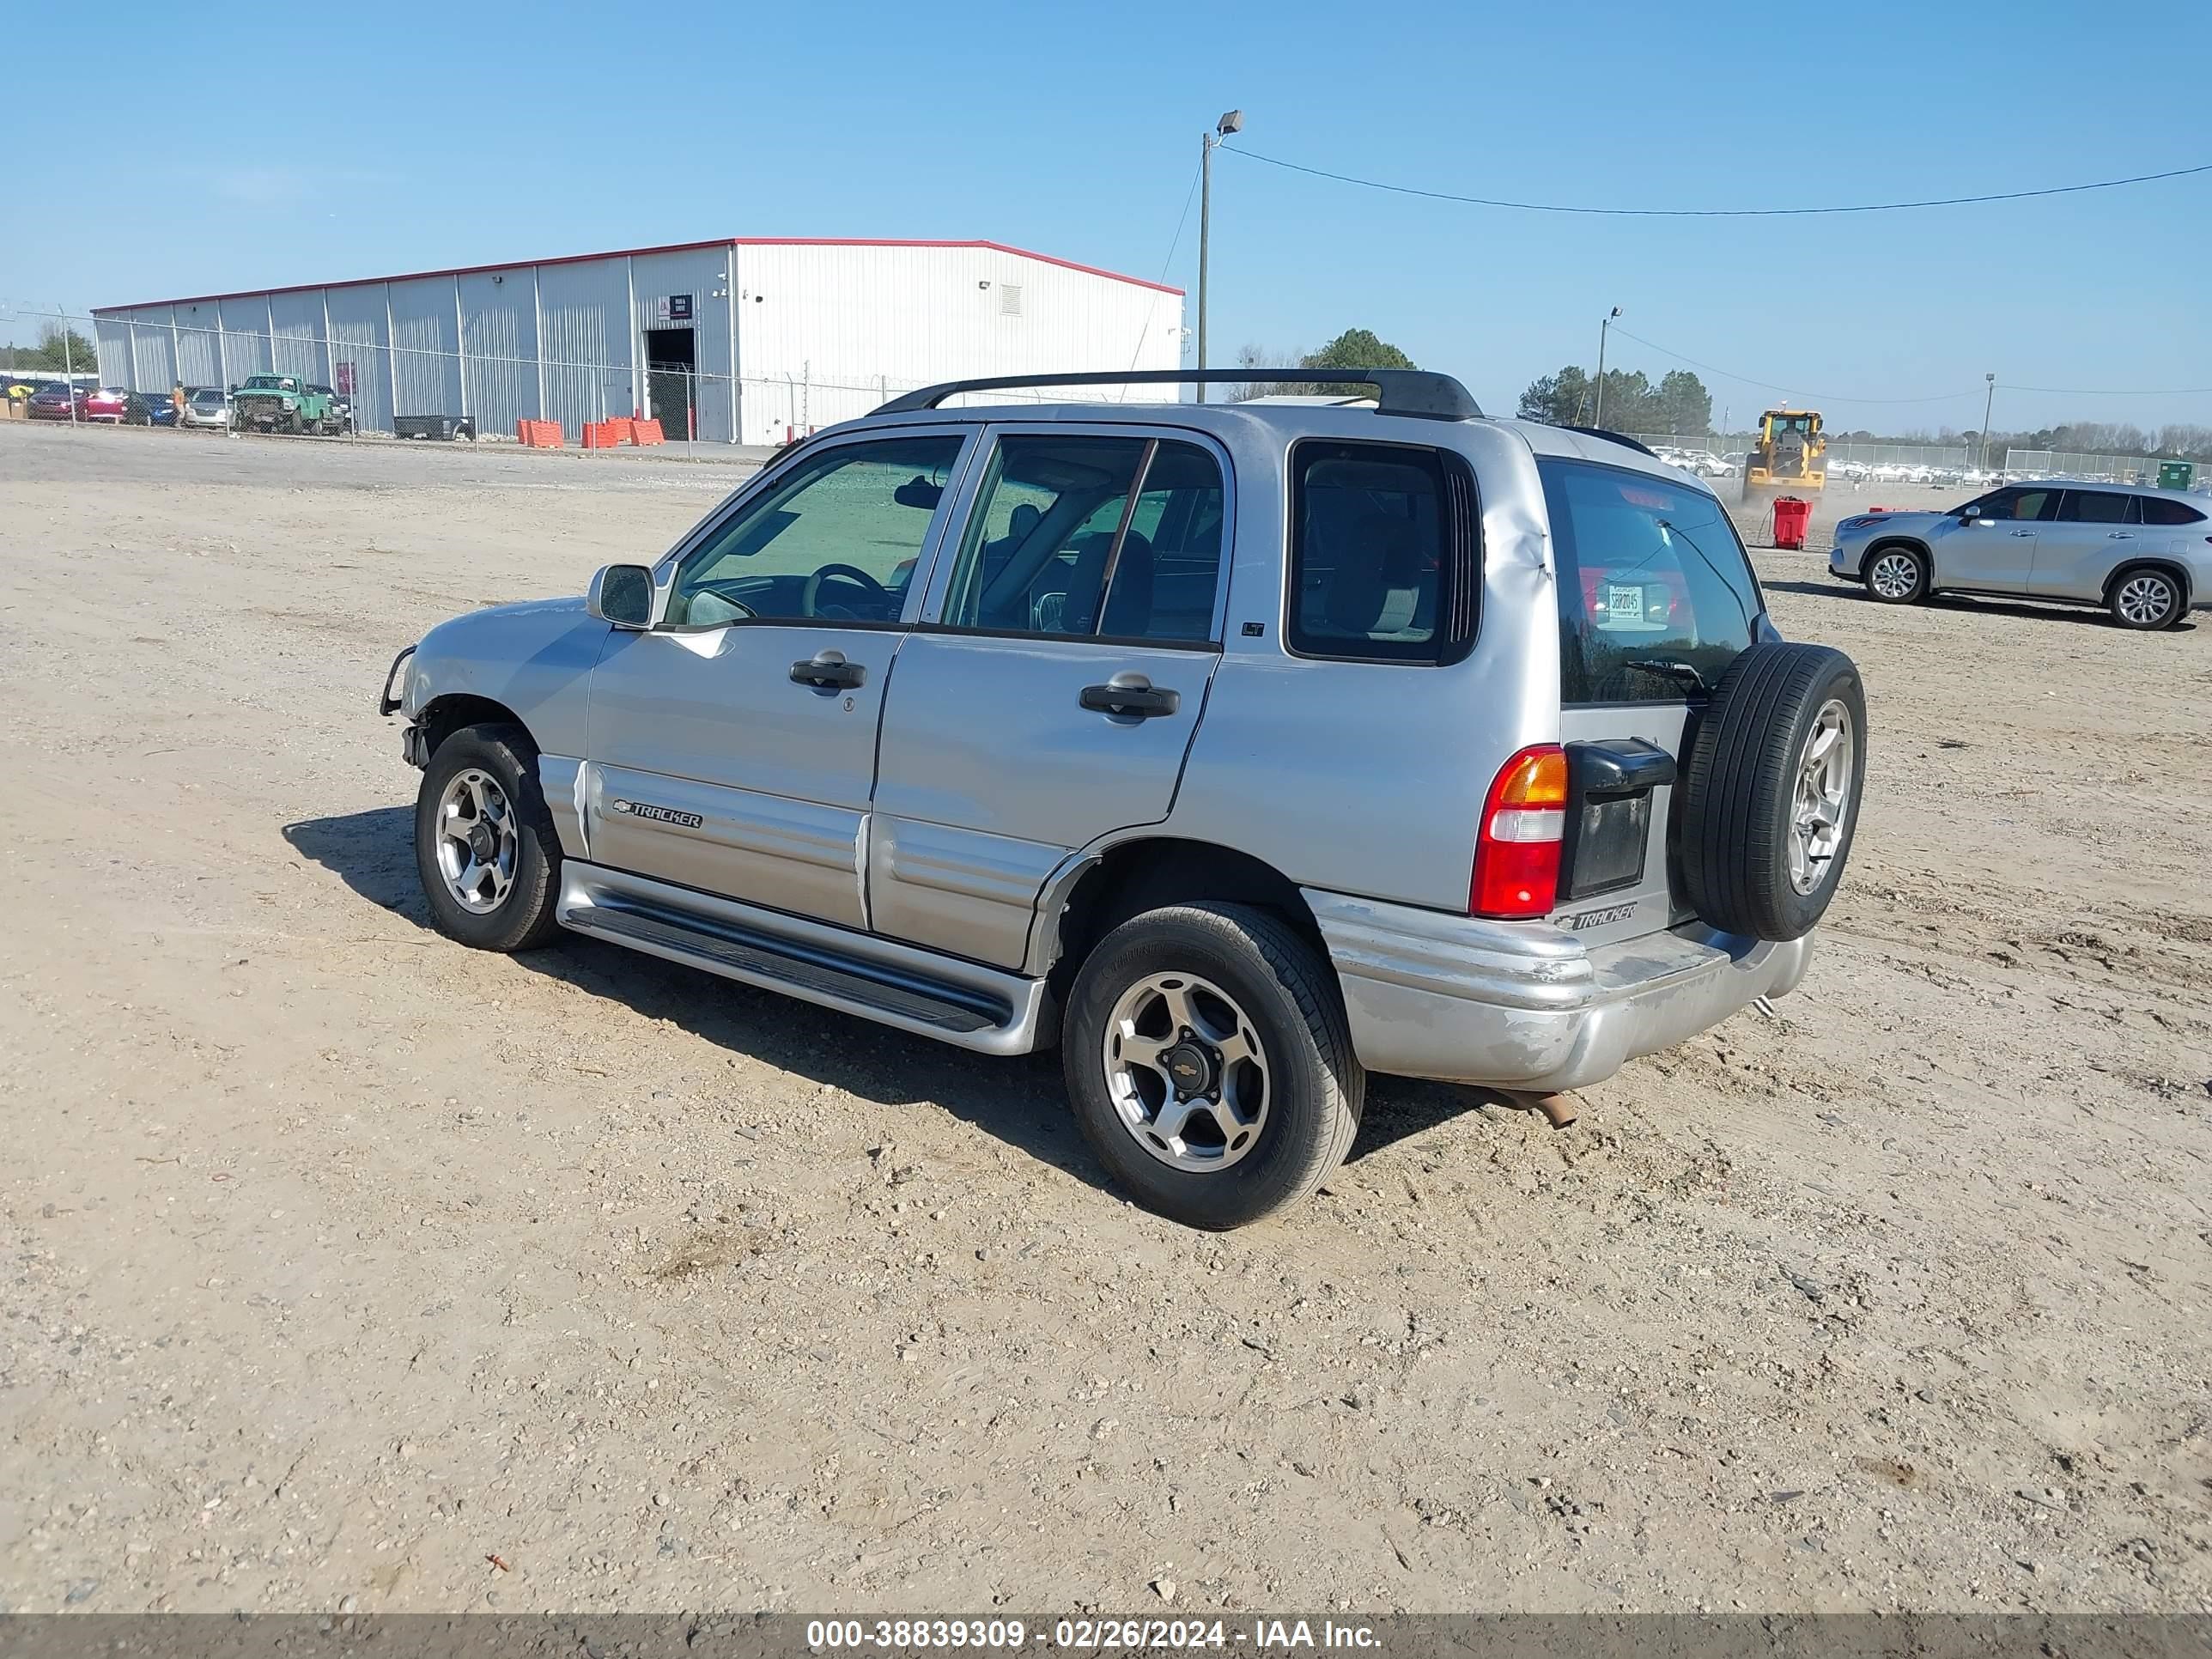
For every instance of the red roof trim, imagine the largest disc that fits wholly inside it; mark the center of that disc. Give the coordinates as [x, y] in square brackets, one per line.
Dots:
[665, 247]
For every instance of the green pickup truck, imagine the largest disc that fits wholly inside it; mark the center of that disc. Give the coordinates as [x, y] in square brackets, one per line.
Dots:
[281, 403]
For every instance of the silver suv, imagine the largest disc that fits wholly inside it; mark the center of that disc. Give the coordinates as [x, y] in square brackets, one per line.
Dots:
[2143, 555]
[1237, 750]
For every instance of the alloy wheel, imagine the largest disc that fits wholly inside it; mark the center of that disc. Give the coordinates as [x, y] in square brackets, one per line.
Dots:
[2145, 600]
[1895, 575]
[1823, 797]
[477, 843]
[1186, 1072]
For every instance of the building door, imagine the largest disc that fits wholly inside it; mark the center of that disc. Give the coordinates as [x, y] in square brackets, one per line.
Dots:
[671, 380]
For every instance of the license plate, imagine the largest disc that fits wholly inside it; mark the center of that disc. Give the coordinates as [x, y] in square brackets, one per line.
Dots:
[1624, 602]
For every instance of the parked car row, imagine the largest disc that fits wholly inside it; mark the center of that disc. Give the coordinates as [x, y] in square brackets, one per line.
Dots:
[269, 403]
[1701, 462]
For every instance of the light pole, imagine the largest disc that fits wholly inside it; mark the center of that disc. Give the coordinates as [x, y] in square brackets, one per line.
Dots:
[1986, 402]
[1602, 328]
[1208, 143]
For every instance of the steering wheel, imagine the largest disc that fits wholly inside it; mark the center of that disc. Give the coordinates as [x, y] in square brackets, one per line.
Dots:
[876, 593]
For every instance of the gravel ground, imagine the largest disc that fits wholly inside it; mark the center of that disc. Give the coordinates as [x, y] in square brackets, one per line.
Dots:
[341, 1261]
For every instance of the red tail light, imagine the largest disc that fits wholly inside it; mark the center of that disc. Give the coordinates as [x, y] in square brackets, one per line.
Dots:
[1524, 820]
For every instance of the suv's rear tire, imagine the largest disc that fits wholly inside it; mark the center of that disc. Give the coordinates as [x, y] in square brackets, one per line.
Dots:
[1770, 795]
[1240, 983]
[1896, 575]
[497, 890]
[2146, 598]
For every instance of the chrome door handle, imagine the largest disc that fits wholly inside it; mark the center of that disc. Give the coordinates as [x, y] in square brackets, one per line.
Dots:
[2121, 536]
[2023, 532]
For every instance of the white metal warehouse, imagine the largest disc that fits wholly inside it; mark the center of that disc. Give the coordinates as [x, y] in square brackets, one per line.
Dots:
[751, 340]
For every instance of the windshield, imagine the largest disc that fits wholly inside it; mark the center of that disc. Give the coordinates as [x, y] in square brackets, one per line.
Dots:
[206, 399]
[272, 383]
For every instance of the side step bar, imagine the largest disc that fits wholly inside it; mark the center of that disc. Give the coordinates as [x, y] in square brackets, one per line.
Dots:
[899, 985]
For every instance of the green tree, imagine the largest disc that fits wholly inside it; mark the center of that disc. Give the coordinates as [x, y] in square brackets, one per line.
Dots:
[1678, 405]
[1356, 348]
[1685, 408]
[1561, 399]
[58, 351]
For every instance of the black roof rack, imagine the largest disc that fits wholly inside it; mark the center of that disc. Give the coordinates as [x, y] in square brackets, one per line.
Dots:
[1398, 390]
[1612, 437]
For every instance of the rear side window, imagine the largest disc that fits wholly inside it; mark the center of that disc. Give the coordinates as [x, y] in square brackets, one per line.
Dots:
[2094, 506]
[2157, 510]
[1383, 553]
[1651, 577]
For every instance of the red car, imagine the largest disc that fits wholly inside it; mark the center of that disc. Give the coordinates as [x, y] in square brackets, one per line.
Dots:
[50, 402]
[112, 403]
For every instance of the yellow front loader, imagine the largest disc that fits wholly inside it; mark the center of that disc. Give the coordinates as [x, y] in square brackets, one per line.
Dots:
[1789, 455]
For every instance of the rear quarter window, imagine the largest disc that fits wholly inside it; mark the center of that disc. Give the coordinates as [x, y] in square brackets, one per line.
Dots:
[1384, 565]
[1649, 573]
[2157, 511]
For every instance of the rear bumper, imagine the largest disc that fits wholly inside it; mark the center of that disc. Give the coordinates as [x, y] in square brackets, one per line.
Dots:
[1524, 1005]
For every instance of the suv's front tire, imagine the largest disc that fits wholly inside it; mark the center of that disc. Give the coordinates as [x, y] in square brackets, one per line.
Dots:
[1209, 1063]
[485, 847]
[1896, 575]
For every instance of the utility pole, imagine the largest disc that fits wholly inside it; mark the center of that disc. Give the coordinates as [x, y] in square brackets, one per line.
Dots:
[1602, 328]
[1208, 143]
[1987, 403]
[69, 369]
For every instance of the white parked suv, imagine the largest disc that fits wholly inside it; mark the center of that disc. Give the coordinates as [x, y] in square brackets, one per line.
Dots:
[2144, 555]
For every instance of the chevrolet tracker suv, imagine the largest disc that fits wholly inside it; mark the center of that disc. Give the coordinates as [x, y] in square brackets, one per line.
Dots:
[2144, 555]
[1239, 751]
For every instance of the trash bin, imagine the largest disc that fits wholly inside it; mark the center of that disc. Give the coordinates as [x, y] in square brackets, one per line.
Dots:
[1791, 515]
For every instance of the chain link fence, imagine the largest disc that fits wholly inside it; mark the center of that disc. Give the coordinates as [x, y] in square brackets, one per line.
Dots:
[2076, 465]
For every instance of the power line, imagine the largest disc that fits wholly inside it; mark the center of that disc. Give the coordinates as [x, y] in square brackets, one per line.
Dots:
[2107, 391]
[1826, 398]
[1183, 219]
[1724, 213]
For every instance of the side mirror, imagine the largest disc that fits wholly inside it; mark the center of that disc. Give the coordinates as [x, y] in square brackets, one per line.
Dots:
[621, 594]
[1970, 514]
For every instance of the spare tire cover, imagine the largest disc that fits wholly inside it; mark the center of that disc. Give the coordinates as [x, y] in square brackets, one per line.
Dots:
[1770, 795]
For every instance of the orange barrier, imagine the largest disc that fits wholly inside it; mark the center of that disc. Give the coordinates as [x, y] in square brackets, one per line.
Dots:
[645, 433]
[597, 435]
[538, 435]
[617, 428]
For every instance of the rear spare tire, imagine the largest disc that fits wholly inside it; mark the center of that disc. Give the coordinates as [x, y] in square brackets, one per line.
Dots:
[1770, 797]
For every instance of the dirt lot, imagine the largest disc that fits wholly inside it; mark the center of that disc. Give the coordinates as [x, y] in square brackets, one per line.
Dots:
[341, 1260]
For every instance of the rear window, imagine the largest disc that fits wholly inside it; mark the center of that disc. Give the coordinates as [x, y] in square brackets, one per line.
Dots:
[1383, 554]
[1650, 574]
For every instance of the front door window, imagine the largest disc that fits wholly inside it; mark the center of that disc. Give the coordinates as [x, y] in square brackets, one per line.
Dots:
[835, 541]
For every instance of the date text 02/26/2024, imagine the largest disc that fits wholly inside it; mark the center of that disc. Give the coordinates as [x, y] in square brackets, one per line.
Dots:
[1087, 1634]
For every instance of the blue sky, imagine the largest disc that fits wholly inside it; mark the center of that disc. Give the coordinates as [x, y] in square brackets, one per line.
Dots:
[382, 141]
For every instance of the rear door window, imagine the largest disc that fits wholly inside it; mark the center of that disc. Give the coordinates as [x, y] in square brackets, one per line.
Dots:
[2093, 507]
[1652, 582]
[1383, 553]
[1084, 536]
